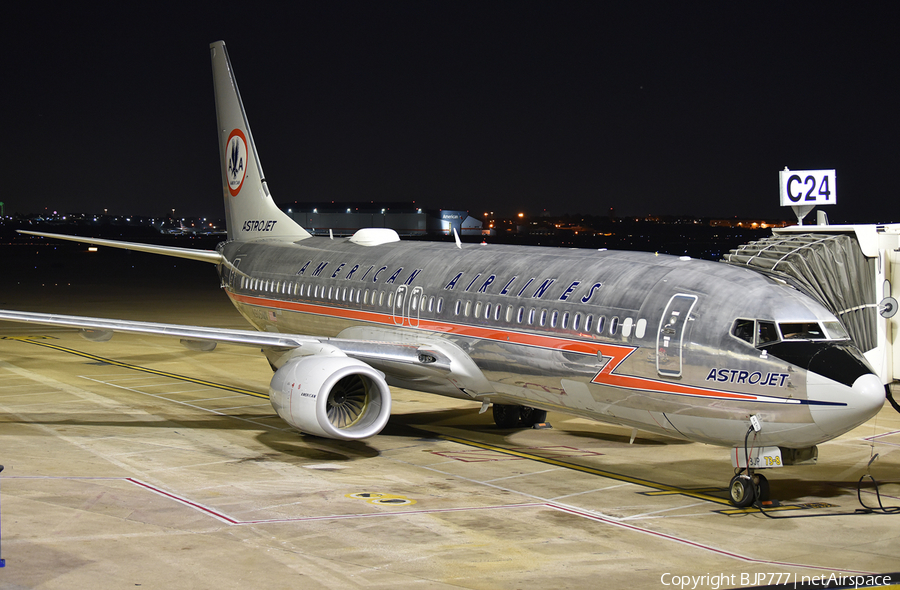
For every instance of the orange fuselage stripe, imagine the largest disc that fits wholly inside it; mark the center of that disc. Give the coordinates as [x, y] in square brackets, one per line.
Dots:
[616, 353]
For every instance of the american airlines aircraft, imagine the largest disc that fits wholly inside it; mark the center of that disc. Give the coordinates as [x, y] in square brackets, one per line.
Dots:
[691, 349]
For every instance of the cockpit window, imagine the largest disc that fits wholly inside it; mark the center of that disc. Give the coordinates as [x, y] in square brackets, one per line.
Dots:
[802, 331]
[766, 333]
[743, 329]
[836, 331]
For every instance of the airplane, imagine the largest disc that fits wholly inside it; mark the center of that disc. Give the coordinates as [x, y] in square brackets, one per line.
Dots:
[690, 349]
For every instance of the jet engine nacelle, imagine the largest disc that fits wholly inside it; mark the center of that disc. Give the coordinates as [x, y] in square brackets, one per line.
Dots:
[331, 396]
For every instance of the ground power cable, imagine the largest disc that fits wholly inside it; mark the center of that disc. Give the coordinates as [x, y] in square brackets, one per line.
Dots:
[881, 509]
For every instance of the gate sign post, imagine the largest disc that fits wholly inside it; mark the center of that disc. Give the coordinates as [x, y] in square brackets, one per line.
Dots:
[804, 189]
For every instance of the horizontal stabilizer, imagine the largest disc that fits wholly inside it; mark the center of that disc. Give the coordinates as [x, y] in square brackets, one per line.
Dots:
[189, 253]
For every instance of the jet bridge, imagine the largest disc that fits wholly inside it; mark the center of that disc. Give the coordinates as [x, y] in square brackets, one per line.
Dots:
[850, 269]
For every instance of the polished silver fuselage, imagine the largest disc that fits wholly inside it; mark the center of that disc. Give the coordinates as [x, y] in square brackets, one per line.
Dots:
[632, 338]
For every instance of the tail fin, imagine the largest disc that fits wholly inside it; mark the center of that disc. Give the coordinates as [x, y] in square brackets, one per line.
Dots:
[250, 211]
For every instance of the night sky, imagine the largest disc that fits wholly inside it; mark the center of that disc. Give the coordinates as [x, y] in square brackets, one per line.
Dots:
[668, 108]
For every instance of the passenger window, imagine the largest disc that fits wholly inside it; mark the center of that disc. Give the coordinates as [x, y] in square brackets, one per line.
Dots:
[487, 311]
[509, 313]
[543, 316]
[380, 298]
[766, 333]
[588, 322]
[626, 327]
[390, 299]
[431, 304]
[641, 328]
[458, 307]
[601, 321]
[520, 315]
[565, 321]
[576, 322]
[440, 305]
[554, 318]
[467, 309]
[414, 302]
[531, 317]
[614, 325]
[477, 310]
[497, 312]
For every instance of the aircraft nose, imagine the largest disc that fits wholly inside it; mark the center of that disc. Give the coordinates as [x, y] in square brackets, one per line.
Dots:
[837, 408]
[867, 395]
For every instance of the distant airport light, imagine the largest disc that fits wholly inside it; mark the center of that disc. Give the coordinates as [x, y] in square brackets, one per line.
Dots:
[92, 248]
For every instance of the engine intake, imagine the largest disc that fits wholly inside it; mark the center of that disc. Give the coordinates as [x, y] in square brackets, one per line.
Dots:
[331, 396]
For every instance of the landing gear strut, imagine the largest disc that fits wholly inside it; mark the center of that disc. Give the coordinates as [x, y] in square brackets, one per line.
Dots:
[507, 416]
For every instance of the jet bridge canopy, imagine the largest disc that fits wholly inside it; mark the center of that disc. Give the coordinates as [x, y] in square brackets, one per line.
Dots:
[830, 267]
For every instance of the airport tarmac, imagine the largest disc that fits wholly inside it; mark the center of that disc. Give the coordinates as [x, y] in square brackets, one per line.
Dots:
[139, 463]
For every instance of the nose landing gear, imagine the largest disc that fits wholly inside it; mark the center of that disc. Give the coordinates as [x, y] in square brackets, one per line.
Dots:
[745, 489]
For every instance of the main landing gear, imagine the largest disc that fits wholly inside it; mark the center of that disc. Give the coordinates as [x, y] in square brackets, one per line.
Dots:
[745, 489]
[506, 416]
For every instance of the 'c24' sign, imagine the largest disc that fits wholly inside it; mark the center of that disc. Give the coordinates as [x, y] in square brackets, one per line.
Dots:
[807, 187]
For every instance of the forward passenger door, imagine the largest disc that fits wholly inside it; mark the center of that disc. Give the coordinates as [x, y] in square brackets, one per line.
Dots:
[670, 337]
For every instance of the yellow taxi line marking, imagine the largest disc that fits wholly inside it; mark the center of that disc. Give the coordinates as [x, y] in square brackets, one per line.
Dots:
[591, 470]
[124, 365]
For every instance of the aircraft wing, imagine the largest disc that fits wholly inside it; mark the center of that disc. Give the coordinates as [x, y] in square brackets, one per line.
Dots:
[402, 359]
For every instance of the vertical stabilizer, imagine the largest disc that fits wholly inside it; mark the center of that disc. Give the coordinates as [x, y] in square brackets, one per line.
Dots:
[250, 211]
